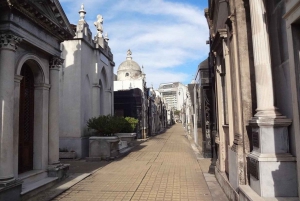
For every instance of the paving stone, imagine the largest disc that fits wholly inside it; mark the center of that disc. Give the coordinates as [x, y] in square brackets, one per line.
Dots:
[165, 167]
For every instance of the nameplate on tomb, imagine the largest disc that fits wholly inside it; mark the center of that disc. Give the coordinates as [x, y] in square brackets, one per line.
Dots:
[255, 139]
[254, 168]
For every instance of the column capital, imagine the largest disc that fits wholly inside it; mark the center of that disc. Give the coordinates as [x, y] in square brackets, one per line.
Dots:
[9, 41]
[56, 62]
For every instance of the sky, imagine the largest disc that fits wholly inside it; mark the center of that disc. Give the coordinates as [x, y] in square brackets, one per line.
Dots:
[166, 37]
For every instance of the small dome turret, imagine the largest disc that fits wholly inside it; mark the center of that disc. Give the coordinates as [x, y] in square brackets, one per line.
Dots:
[129, 69]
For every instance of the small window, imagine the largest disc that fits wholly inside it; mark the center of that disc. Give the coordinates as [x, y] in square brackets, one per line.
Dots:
[127, 74]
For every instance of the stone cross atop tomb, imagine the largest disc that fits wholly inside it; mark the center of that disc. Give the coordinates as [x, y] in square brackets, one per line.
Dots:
[129, 53]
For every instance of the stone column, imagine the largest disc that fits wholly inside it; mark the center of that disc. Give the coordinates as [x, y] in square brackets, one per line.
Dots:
[262, 61]
[8, 44]
[55, 64]
[18, 79]
[272, 168]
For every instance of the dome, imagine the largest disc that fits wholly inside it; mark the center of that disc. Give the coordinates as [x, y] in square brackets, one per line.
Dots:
[129, 69]
[129, 65]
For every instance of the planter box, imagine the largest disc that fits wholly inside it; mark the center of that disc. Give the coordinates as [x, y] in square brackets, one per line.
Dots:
[71, 155]
[128, 137]
[103, 147]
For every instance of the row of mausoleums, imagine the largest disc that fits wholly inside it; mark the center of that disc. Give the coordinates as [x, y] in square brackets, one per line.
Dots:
[54, 76]
[248, 92]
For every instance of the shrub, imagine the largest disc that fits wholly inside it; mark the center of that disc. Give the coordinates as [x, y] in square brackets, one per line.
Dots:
[107, 125]
[132, 122]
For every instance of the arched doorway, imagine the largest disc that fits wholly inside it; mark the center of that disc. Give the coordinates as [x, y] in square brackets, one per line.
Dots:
[26, 120]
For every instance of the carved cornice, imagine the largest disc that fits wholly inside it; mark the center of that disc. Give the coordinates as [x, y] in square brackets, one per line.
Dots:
[56, 62]
[58, 25]
[9, 40]
[217, 41]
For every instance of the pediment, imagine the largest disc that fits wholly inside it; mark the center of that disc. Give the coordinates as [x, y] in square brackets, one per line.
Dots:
[46, 13]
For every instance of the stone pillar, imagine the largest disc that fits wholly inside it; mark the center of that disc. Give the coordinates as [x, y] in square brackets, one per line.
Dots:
[18, 79]
[262, 61]
[8, 44]
[55, 64]
[272, 168]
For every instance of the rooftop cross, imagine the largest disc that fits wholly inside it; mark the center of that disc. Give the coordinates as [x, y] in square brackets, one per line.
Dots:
[129, 53]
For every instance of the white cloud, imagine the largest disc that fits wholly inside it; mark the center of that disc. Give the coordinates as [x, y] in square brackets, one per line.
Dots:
[156, 77]
[162, 35]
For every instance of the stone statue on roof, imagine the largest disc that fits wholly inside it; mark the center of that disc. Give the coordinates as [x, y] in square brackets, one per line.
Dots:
[98, 24]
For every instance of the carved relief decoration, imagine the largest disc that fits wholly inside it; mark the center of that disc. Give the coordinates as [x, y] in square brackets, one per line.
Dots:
[9, 40]
[56, 62]
[48, 14]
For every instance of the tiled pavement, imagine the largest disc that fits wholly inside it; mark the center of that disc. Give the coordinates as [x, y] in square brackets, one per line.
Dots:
[162, 168]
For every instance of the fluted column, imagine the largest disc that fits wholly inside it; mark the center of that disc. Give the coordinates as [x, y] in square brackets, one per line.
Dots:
[270, 157]
[8, 45]
[55, 64]
[262, 61]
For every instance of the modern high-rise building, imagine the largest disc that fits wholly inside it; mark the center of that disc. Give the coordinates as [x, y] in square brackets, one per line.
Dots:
[174, 94]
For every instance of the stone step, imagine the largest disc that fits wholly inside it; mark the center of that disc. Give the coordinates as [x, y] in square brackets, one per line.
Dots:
[32, 176]
[31, 189]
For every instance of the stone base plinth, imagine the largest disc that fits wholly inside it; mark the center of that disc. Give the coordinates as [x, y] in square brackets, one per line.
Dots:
[246, 193]
[275, 175]
[58, 170]
[11, 191]
[272, 168]
[128, 137]
[103, 147]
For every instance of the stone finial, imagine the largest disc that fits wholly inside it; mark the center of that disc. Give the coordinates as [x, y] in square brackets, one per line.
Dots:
[106, 37]
[82, 13]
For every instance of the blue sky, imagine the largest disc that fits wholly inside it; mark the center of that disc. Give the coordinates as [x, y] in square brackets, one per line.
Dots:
[167, 37]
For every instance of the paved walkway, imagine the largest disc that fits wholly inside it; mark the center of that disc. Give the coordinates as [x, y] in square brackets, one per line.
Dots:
[163, 168]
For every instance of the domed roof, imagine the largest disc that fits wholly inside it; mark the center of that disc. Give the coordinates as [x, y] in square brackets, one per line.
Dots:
[129, 64]
[129, 69]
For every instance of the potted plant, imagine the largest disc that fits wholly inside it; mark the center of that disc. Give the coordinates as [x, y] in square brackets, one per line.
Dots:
[127, 133]
[66, 154]
[103, 142]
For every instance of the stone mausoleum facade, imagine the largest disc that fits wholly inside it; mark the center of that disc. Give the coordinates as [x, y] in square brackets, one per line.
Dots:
[254, 70]
[30, 63]
[130, 76]
[86, 83]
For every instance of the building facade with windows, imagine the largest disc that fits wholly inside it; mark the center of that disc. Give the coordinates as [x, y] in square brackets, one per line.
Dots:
[174, 94]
